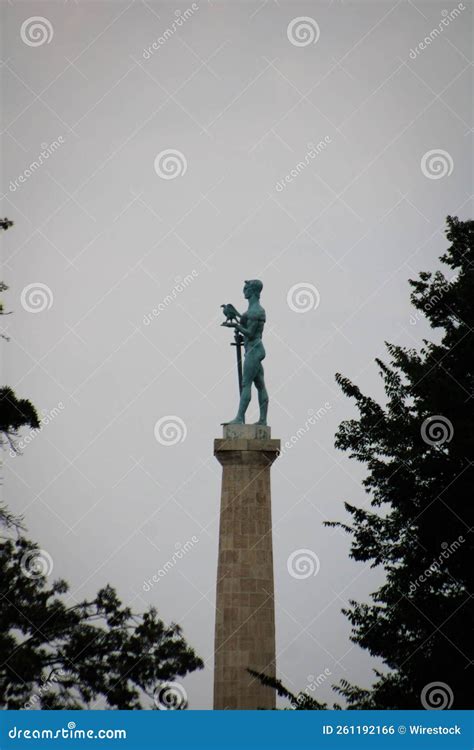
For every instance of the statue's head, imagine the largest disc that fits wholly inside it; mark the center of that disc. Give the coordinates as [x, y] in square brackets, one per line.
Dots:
[252, 288]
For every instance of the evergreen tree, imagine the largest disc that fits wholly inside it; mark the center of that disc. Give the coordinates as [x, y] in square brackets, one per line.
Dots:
[419, 451]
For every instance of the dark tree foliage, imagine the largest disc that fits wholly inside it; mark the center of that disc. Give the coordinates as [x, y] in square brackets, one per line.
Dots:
[419, 451]
[56, 656]
[3, 288]
[59, 656]
[15, 413]
[302, 701]
[4, 224]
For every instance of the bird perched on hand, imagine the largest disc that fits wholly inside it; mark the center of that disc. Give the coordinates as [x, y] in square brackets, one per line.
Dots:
[231, 314]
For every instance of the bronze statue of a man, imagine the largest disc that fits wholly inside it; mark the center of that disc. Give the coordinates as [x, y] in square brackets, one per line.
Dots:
[250, 324]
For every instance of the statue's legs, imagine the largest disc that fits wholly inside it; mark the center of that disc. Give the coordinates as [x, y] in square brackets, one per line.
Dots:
[252, 367]
[262, 396]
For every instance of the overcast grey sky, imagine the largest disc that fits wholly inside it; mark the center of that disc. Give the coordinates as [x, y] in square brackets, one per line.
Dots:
[108, 229]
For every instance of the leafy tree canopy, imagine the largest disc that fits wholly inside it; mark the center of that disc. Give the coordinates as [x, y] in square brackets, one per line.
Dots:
[417, 524]
[56, 655]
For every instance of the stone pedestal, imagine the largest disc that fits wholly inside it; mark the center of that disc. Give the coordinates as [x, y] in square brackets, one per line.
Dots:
[245, 611]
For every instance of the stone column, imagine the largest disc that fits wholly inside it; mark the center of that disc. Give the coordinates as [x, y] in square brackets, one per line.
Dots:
[245, 610]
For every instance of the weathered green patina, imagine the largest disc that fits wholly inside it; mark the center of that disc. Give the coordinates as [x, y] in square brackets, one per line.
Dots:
[248, 330]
